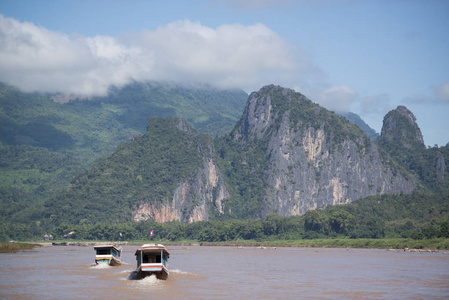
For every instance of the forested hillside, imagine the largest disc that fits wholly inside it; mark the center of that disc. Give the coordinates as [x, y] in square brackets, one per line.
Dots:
[286, 155]
[403, 140]
[44, 144]
[29, 174]
[287, 170]
[207, 109]
[420, 215]
[91, 128]
[166, 174]
[147, 169]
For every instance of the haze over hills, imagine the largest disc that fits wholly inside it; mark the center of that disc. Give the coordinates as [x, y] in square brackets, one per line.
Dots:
[37, 119]
[356, 120]
[285, 155]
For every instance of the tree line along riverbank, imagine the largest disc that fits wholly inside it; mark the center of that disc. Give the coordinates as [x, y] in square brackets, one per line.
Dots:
[399, 243]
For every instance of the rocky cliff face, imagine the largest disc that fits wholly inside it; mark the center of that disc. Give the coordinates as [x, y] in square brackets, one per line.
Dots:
[286, 155]
[316, 158]
[194, 195]
[191, 199]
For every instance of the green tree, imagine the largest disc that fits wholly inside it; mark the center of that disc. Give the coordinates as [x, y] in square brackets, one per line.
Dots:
[317, 221]
[341, 221]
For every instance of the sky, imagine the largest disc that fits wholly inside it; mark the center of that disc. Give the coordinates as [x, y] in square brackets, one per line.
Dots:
[363, 56]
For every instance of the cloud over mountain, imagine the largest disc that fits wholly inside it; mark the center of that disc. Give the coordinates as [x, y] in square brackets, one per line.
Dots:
[36, 59]
[337, 98]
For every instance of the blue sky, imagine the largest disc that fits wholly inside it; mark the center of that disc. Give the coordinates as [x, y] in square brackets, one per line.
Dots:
[351, 55]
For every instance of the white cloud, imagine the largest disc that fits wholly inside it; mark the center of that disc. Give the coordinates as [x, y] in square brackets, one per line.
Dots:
[439, 95]
[36, 59]
[229, 56]
[337, 98]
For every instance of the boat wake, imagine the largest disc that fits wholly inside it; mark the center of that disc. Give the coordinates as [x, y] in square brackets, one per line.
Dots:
[149, 281]
[100, 266]
[182, 273]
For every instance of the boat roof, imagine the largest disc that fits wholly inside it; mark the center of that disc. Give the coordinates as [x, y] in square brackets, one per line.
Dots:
[152, 247]
[107, 246]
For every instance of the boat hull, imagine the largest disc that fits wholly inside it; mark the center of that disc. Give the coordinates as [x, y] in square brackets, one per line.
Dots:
[108, 254]
[152, 260]
[110, 261]
[158, 270]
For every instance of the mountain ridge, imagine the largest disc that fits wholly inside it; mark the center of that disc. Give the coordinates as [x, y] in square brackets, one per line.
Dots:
[315, 158]
[285, 155]
[86, 130]
[177, 183]
[401, 137]
[357, 120]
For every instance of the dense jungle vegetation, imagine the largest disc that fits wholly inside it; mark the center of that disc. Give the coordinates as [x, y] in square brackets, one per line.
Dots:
[243, 165]
[420, 215]
[44, 145]
[42, 152]
[124, 179]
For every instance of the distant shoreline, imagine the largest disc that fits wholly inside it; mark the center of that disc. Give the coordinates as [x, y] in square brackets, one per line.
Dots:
[400, 243]
[403, 244]
[11, 247]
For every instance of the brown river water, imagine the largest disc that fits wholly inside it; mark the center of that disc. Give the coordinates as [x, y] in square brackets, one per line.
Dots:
[68, 272]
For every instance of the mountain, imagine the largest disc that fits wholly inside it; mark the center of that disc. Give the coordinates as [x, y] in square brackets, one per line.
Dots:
[356, 120]
[168, 173]
[400, 125]
[47, 139]
[29, 174]
[289, 155]
[403, 140]
[91, 128]
[208, 109]
[286, 155]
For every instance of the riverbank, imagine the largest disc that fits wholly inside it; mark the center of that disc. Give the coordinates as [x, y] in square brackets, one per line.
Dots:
[11, 247]
[428, 244]
[400, 243]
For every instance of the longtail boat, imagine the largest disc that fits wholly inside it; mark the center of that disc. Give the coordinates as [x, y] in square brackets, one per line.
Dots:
[108, 254]
[152, 260]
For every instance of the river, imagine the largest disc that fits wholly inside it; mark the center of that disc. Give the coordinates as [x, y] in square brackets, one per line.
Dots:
[196, 272]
